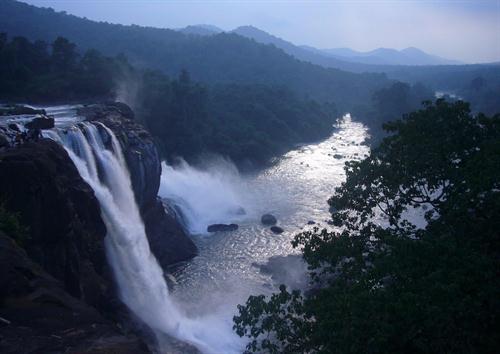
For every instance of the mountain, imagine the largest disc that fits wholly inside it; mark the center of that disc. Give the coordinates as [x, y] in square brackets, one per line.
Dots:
[220, 58]
[201, 30]
[309, 54]
[387, 56]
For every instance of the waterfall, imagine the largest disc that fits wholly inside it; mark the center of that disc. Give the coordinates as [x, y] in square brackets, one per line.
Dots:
[140, 279]
[215, 195]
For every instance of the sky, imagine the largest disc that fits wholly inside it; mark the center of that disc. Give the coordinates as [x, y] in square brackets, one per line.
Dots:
[468, 31]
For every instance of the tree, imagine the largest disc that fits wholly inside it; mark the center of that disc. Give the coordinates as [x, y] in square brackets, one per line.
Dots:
[64, 55]
[392, 287]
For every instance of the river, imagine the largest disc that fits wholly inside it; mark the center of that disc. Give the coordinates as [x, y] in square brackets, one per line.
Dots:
[295, 190]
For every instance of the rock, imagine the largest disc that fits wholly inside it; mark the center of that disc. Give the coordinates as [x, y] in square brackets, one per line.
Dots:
[14, 127]
[222, 227]
[268, 219]
[15, 110]
[167, 239]
[311, 222]
[277, 229]
[41, 317]
[338, 156]
[66, 233]
[40, 123]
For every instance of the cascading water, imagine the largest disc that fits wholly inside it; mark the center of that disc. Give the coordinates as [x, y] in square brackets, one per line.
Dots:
[212, 196]
[141, 282]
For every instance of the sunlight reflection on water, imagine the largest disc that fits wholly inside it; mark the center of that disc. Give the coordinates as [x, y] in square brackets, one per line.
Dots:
[295, 190]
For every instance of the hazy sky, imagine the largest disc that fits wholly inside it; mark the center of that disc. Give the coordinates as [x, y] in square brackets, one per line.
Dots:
[463, 30]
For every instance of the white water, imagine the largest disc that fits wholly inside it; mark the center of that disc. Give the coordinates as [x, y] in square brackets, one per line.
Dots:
[212, 196]
[141, 281]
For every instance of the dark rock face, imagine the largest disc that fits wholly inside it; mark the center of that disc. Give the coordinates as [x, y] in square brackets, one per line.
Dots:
[167, 239]
[268, 219]
[38, 316]
[277, 229]
[222, 227]
[40, 183]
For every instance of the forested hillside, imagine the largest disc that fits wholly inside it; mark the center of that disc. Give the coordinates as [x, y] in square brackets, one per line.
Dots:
[222, 58]
[244, 122]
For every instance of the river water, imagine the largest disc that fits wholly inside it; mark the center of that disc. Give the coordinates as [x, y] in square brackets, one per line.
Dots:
[295, 190]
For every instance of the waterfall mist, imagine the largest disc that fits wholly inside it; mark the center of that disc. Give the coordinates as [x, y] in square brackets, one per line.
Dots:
[215, 194]
[141, 282]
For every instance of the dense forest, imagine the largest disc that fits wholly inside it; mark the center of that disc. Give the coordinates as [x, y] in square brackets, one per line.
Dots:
[244, 122]
[393, 287]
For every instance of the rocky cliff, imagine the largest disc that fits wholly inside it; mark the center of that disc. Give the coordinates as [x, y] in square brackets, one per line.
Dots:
[167, 239]
[56, 291]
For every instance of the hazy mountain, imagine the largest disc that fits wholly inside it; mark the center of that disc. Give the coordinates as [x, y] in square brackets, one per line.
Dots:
[219, 58]
[316, 57]
[201, 30]
[387, 56]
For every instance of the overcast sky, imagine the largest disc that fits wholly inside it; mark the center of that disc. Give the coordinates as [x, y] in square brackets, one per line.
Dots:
[462, 30]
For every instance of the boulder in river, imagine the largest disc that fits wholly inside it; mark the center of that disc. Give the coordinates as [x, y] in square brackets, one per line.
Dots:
[277, 229]
[311, 222]
[338, 156]
[268, 219]
[222, 227]
[40, 123]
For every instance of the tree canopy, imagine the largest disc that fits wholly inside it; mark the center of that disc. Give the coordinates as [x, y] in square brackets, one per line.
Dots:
[379, 283]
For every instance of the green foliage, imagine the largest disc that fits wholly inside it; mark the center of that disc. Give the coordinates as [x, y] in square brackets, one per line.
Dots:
[11, 226]
[243, 122]
[393, 287]
[30, 71]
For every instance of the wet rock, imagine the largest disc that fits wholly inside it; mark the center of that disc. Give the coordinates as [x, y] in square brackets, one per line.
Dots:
[40, 123]
[268, 219]
[277, 229]
[338, 156]
[167, 239]
[14, 127]
[311, 222]
[222, 227]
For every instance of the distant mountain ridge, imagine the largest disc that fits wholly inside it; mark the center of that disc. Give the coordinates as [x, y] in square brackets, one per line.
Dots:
[201, 30]
[387, 56]
[341, 58]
